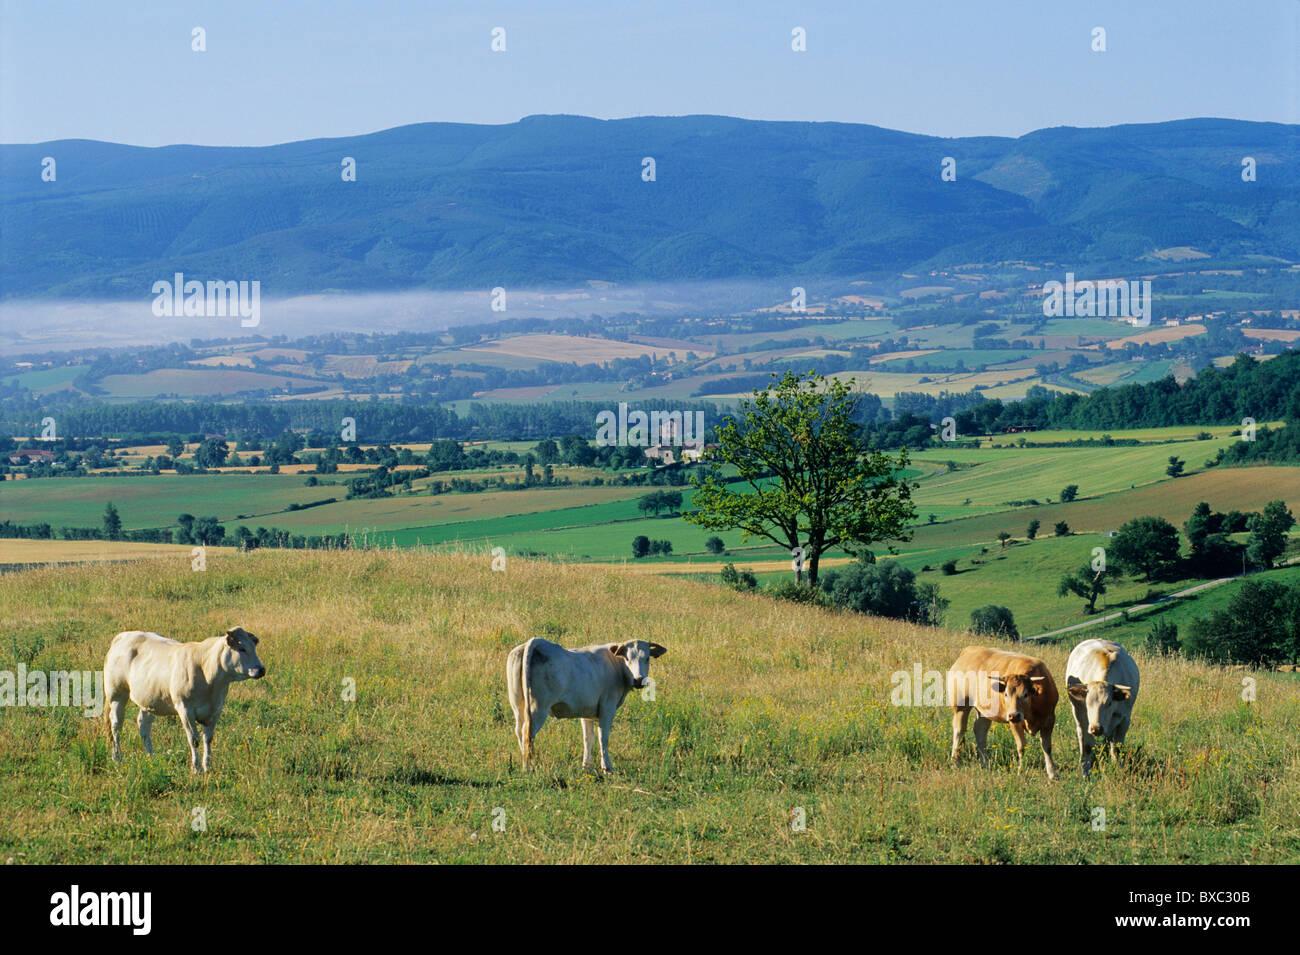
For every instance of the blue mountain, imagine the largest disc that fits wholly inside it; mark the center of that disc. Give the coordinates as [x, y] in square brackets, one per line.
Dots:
[559, 200]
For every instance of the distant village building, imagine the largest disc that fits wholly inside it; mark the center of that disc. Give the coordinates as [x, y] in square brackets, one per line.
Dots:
[670, 446]
[31, 456]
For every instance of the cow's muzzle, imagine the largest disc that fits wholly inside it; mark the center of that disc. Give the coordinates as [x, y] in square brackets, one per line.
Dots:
[257, 672]
[1016, 718]
[639, 684]
[1095, 729]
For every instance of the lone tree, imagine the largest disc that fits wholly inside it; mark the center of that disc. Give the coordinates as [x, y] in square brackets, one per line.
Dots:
[112, 522]
[1267, 541]
[809, 480]
[1086, 583]
[1032, 530]
[1147, 546]
[1176, 466]
[1069, 493]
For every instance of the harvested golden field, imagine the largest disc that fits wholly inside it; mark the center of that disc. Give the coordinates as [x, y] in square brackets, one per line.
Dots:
[1169, 333]
[1272, 334]
[82, 552]
[572, 348]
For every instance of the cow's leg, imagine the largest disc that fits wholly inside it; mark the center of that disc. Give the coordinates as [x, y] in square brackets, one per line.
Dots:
[116, 714]
[514, 693]
[519, 726]
[1018, 734]
[537, 718]
[145, 721]
[208, 730]
[982, 724]
[606, 716]
[959, 715]
[1085, 738]
[1045, 737]
[191, 734]
[588, 734]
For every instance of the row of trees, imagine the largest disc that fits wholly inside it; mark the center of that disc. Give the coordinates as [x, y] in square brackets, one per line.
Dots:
[1245, 389]
[1150, 547]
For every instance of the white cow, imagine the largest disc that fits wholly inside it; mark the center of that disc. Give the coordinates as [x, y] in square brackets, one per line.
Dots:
[1101, 680]
[167, 678]
[589, 685]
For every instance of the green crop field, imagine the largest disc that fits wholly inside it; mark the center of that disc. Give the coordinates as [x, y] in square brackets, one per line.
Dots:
[1244, 489]
[418, 766]
[154, 500]
[1017, 474]
[971, 357]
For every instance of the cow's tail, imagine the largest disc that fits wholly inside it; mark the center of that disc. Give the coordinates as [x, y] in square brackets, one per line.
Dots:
[528, 705]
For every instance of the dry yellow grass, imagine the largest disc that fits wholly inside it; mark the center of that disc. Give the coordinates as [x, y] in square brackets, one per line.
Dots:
[761, 707]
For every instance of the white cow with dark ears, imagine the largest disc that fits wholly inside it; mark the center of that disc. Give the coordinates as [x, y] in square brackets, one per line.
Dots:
[1101, 680]
[167, 678]
[543, 678]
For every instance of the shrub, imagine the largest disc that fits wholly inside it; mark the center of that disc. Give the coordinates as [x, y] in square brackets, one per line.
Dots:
[993, 620]
[738, 580]
[1161, 638]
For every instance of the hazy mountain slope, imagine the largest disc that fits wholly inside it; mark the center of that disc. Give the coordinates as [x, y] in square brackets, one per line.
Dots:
[560, 199]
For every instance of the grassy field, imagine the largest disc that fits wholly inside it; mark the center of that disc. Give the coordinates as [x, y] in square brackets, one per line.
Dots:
[1245, 489]
[1018, 474]
[761, 708]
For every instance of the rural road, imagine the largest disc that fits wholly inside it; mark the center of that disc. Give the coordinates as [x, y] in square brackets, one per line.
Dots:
[1147, 606]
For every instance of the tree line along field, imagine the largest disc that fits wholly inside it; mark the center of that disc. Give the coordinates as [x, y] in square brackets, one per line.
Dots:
[984, 479]
[970, 507]
[762, 707]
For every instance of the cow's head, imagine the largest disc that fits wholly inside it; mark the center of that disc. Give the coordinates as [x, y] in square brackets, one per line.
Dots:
[1017, 692]
[239, 655]
[636, 655]
[1104, 716]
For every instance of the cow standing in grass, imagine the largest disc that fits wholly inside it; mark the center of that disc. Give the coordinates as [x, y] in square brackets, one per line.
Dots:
[1009, 688]
[167, 678]
[543, 678]
[1101, 680]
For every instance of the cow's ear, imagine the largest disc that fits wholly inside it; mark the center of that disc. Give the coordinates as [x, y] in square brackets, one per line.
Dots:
[620, 650]
[232, 641]
[1078, 691]
[1120, 692]
[657, 651]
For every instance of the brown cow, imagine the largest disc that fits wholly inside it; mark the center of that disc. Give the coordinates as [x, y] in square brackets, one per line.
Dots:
[1006, 688]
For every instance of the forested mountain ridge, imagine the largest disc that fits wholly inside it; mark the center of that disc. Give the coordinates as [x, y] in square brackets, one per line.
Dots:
[562, 200]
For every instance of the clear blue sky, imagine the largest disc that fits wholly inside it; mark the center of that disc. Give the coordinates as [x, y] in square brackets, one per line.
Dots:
[280, 71]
